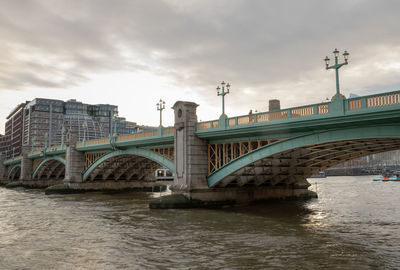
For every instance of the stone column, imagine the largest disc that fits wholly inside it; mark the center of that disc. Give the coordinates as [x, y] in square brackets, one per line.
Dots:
[191, 162]
[3, 169]
[74, 160]
[26, 164]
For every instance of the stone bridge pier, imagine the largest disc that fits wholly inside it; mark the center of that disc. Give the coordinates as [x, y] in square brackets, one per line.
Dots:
[190, 187]
[74, 160]
[3, 171]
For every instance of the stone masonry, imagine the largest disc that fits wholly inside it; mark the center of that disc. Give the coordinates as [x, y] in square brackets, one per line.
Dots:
[26, 164]
[191, 164]
[74, 160]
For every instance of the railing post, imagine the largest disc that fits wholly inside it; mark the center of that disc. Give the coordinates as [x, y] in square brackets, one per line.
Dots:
[338, 105]
[289, 114]
[363, 103]
[316, 109]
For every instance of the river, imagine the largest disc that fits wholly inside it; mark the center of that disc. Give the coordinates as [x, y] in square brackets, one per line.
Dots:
[354, 224]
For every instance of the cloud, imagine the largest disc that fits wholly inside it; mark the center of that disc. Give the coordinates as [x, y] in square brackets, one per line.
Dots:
[274, 48]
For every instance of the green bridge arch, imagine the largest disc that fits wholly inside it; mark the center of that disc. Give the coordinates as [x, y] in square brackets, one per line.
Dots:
[13, 169]
[330, 136]
[44, 161]
[132, 151]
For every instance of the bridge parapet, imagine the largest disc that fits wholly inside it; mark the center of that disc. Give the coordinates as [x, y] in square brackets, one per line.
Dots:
[357, 105]
[160, 135]
[12, 161]
[374, 101]
[51, 151]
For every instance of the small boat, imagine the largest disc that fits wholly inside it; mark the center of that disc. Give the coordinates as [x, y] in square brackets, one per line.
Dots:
[163, 174]
[394, 176]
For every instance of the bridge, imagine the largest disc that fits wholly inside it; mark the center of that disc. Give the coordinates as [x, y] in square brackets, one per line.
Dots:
[243, 158]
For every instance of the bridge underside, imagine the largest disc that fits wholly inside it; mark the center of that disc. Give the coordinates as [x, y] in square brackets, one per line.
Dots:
[293, 167]
[124, 168]
[50, 170]
[14, 174]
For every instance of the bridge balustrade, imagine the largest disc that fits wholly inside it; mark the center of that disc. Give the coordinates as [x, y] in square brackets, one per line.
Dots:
[207, 125]
[358, 103]
[128, 137]
[12, 160]
[374, 101]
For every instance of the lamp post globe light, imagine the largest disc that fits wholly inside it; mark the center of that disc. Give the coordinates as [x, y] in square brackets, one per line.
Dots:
[336, 66]
[161, 107]
[221, 92]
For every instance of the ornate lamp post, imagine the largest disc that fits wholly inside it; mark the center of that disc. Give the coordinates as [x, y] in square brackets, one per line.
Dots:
[223, 93]
[62, 136]
[336, 66]
[84, 126]
[46, 138]
[115, 118]
[33, 144]
[161, 107]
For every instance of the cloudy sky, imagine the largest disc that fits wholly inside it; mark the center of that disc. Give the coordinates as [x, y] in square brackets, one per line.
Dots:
[132, 53]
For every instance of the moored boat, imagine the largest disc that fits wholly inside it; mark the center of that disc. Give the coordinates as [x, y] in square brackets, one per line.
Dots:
[388, 176]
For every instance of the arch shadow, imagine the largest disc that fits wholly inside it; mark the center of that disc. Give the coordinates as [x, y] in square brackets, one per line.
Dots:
[146, 154]
[45, 162]
[312, 139]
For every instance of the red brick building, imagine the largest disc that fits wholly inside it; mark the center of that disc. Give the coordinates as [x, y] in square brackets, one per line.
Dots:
[11, 142]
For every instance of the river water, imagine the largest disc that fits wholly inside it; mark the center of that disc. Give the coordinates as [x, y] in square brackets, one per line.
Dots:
[354, 224]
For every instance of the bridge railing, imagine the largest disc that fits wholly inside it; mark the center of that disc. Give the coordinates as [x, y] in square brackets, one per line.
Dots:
[54, 149]
[357, 103]
[12, 160]
[374, 101]
[147, 134]
[296, 112]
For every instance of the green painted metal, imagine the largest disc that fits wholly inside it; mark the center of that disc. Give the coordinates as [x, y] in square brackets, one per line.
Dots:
[339, 107]
[48, 152]
[382, 131]
[336, 66]
[161, 107]
[12, 169]
[132, 151]
[158, 140]
[223, 94]
[58, 158]
[12, 161]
